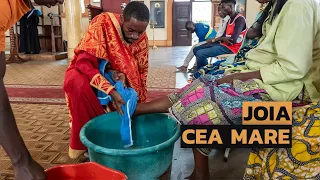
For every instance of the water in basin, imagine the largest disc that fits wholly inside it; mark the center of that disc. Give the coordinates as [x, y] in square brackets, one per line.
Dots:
[154, 136]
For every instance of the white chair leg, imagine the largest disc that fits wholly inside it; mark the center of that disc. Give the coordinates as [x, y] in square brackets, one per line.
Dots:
[226, 154]
[210, 60]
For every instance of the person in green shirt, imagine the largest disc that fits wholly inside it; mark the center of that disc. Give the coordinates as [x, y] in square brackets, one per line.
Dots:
[284, 66]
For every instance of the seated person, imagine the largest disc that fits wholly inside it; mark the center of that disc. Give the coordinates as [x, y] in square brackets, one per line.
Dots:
[278, 69]
[205, 34]
[220, 66]
[230, 42]
[251, 40]
[122, 41]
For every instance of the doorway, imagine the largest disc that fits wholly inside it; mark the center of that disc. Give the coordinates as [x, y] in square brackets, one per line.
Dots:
[181, 14]
[186, 10]
[201, 13]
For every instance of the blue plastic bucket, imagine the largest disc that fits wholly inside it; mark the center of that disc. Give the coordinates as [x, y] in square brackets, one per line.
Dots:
[154, 136]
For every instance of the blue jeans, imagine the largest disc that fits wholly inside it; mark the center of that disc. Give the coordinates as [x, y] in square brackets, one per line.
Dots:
[209, 50]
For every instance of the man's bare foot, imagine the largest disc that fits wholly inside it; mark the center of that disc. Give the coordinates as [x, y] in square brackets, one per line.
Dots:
[182, 68]
[29, 169]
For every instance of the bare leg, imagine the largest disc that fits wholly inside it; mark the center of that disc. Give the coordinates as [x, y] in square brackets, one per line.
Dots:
[201, 167]
[186, 62]
[10, 139]
[189, 57]
[183, 68]
[160, 105]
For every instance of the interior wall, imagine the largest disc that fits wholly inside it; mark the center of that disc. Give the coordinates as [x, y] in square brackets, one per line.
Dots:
[159, 33]
[163, 36]
[84, 20]
[252, 8]
[84, 23]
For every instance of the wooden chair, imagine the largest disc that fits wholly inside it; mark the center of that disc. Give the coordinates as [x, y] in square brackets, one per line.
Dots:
[107, 6]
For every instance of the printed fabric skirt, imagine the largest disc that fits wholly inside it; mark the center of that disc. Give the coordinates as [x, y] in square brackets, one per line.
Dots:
[220, 67]
[302, 161]
[203, 102]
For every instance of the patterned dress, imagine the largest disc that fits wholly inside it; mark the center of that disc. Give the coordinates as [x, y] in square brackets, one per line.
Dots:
[219, 67]
[302, 161]
[203, 102]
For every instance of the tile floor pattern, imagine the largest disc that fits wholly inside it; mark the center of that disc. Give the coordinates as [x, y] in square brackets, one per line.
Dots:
[161, 77]
[45, 127]
[52, 73]
[45, 130]
[48, 73]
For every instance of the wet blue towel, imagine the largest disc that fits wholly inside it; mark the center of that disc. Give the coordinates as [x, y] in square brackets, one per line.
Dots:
[129, 96]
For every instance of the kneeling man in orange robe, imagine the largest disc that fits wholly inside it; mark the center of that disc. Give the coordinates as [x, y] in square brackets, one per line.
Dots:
[122, 41]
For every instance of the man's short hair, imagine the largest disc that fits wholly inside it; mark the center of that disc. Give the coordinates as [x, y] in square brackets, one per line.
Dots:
[229, 1]
[136, 10]
[189, 23]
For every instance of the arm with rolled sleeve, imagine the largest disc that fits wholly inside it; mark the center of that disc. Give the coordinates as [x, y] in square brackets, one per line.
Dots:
[293, 43]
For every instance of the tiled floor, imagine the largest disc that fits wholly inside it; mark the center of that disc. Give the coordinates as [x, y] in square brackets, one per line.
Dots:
[162, 62]
[45, 131]
[183, 158]
[52, 73]
[174, 57]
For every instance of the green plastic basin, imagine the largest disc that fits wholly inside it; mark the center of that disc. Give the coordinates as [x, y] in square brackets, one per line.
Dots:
[154, 136]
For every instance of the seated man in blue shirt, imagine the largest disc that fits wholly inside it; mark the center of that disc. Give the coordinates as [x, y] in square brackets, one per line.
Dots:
[231, 40]
[205, 34]
[202, 30]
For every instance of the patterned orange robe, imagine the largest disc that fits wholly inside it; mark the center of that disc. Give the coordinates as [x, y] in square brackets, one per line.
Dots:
[102, 41]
